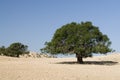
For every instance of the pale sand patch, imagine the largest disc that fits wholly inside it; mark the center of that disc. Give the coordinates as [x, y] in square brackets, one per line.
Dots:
[96, 68]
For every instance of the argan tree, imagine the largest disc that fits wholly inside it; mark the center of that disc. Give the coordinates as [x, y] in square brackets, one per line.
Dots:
[82, 39]
[16, 49]
[2, 50]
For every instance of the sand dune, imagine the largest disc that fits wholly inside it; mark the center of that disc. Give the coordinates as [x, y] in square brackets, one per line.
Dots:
[96, 68]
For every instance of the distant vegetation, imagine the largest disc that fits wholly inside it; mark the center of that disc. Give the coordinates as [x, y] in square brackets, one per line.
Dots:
[81, 39]
[14, 50]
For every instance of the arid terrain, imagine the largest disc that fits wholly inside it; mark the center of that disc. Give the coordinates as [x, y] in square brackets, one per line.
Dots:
[96, 68]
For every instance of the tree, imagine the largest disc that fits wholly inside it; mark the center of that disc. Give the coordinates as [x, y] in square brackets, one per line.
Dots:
[81, 39]
[2, 50]
[16, 49]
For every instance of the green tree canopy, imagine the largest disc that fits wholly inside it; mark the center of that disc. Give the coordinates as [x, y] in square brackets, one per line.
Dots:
[2, 50]
[81, 39]
[14, 50]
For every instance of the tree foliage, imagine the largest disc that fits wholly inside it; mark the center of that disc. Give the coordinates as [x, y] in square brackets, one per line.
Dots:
[2, 50]
[81, 39]
[14, 50]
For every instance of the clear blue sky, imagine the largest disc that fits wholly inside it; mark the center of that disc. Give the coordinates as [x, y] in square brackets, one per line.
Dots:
[33, 22]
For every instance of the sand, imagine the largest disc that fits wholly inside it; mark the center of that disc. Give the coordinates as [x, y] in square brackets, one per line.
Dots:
[96, 68]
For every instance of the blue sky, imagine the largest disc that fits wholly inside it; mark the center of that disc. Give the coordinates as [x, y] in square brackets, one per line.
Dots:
[33, 22]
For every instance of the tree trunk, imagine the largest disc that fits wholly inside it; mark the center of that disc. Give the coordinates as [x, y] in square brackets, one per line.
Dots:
[79, 58]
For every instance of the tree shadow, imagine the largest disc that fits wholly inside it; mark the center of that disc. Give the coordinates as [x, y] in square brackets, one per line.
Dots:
[108, 63]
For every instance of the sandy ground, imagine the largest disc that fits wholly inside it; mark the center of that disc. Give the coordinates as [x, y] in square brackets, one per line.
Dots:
[96, 68]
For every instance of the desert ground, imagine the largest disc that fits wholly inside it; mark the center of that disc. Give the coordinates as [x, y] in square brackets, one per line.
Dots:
[96, 68]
